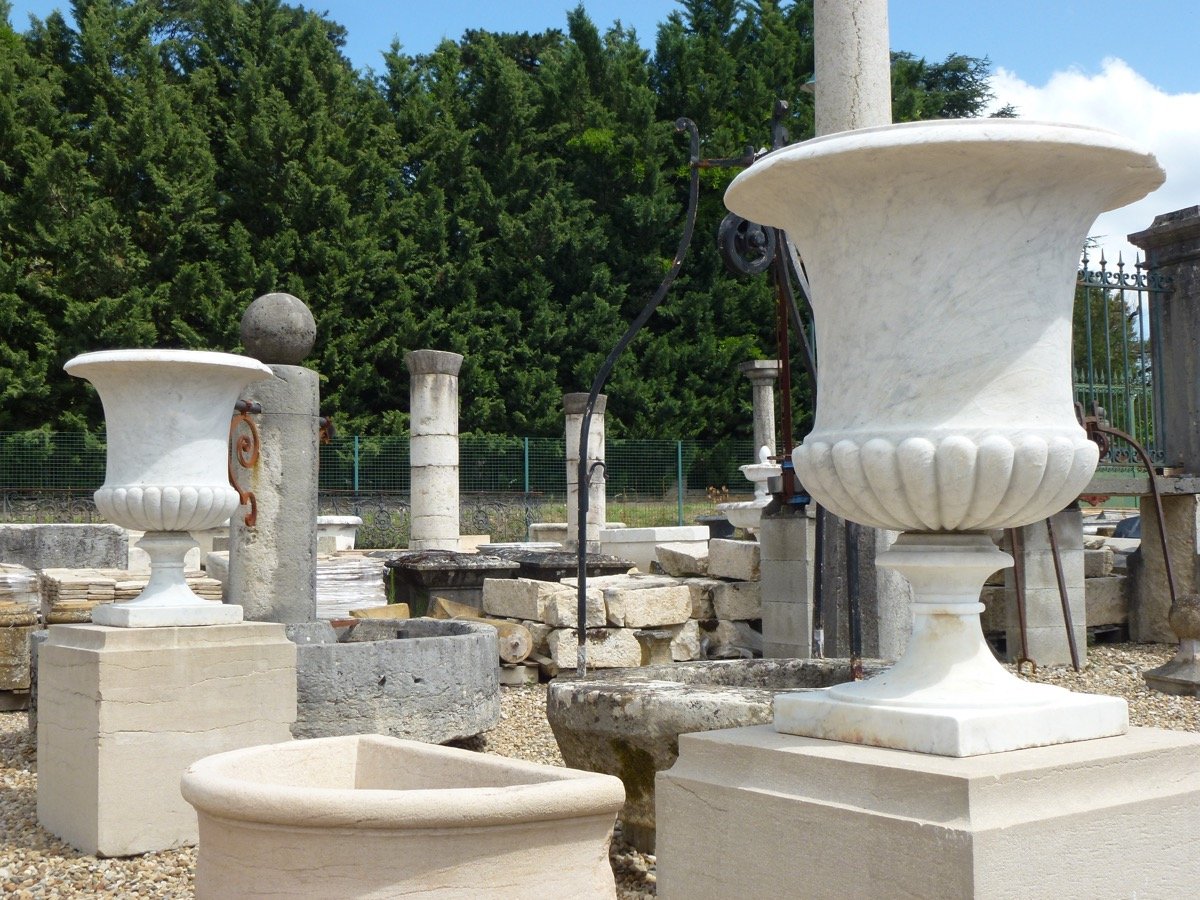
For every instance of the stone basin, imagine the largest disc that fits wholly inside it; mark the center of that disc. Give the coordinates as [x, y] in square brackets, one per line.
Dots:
[415, 577]
[627, 722]
[370, 816]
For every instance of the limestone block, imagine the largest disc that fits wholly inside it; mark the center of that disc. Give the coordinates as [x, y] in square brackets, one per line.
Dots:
[735, 560]
[425, 450]
[16, 631]
[725, 639]
[1097, 563]
[701, 590]
[681, 560]
[518, 598]
[123, 711]
[562, 609]
[738, 601]
[648, 607]
[607, 648]
[53, 546]
[685, 644]
[539, 632]
[625, 581]
[1107, 601]
[1149, 596]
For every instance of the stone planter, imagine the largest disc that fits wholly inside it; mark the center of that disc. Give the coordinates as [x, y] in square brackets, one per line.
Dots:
[963, 418]
[167, 416]
[627, 723]
[371, 816]
[415, 577]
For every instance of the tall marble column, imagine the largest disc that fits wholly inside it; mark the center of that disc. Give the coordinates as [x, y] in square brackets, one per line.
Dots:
[762, 374]
[573, 407]
[433, 448]
[273, 564]
[853, 65]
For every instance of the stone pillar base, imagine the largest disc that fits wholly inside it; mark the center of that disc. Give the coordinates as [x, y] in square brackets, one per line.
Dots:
[123, 711]
[796, 816]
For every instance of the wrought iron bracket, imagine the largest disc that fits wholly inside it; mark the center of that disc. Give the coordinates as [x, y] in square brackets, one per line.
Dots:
[245, 448]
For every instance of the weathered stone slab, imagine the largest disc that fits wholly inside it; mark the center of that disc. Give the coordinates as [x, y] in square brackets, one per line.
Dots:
[538, 633]
[682, 560]
[648, 607]
[735, 560]
[738, 601]
[1107, 601]
[52, 546]
[607, 648]
[562, 609]
[518, 598]
[730, 639]
[701, 590]
[1097, 563]
[630, 580]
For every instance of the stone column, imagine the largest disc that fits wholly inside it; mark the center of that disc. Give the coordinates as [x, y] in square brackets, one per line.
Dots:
[762, 374]
[853, 65]
[273, 564]
[1172, 246]
[885, 596]
[785, 581]
[573, 407]
[433, 443]
[1044, 625]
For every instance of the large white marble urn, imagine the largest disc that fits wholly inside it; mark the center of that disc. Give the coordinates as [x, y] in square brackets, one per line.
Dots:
[167, 416]
[942, 259]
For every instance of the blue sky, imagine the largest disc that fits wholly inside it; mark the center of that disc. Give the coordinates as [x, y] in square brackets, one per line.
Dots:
[1127, 66]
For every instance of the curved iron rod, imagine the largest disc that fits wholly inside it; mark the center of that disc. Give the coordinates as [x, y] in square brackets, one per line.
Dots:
[584, 478]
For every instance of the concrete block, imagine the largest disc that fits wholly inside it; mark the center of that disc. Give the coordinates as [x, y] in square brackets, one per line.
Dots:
[53, 546]
[682, 560]
[1032, 822]
[1097, 563]
[738, 600]
[123, 711]
[648, 607]
[562, 609]
[685, 645]
[735, 560]
[435, 681]
[786, 630]
[607, 648]
[518, 598]
[1107, 601]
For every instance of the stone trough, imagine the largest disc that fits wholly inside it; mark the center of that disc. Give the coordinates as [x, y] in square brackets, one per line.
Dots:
[370, 816]
[627, 722]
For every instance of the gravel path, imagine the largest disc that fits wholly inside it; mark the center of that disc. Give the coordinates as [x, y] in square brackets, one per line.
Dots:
[36, 864]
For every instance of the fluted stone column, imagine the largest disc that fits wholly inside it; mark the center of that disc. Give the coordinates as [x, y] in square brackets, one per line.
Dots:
[853, 65]
[573, 407]
[433, 448]
[273, 564]
[762, 374]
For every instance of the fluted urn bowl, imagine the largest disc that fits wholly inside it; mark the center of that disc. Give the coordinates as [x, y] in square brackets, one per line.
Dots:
[942, 260]
[167, 416]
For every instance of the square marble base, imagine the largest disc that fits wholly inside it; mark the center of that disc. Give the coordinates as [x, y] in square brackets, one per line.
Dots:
[132, 615]
[123, 711]
[1059, 718]
[750, 812]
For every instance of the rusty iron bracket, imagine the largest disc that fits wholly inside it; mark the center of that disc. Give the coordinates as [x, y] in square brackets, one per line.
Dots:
[1099, 432]
[326, 430]
[245, 447]
[1017, 543]
[1062, 594]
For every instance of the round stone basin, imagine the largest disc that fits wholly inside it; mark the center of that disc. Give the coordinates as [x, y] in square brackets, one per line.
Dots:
[369, 816]
[627, 722]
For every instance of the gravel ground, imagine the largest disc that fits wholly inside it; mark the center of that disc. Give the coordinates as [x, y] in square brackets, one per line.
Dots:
[36, 864]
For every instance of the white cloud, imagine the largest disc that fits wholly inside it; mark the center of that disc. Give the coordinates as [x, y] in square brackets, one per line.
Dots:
[1121, 100]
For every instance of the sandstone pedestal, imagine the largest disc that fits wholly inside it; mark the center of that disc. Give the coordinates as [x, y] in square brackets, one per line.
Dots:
[799, 817]
[123, 711]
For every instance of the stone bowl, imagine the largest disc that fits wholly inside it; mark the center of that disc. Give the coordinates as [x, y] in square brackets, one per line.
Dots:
[627, 722]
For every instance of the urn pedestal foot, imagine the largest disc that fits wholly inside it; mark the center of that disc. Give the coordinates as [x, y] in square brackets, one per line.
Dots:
[949, 695]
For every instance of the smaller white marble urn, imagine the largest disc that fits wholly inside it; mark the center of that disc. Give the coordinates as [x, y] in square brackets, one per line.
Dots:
[167, 416]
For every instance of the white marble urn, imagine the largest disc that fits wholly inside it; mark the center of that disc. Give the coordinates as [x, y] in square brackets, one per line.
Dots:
[942, 259]
[167, 415]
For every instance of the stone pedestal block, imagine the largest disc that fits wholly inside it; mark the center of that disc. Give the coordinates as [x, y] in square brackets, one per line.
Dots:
[735, 560]
[1149, 597]
[1113, 817]
[123, 711]
[1045, 626]
[273, 564]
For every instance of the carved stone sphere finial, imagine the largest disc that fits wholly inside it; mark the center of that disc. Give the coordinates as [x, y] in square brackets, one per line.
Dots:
[278, 329]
